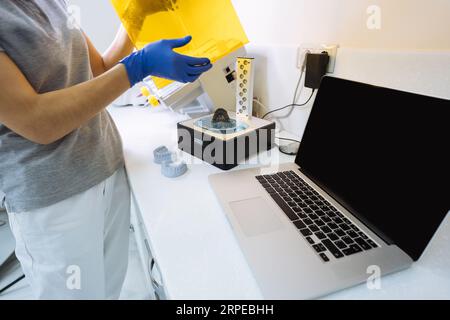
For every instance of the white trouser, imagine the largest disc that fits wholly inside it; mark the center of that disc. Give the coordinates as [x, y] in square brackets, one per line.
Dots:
[78, 248]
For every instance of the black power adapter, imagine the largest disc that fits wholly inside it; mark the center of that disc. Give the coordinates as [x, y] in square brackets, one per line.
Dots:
[316, 68]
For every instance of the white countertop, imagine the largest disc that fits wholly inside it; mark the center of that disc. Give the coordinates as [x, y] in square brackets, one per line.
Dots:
[193, 243]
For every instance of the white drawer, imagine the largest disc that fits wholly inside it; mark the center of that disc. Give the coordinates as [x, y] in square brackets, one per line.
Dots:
[154, 280]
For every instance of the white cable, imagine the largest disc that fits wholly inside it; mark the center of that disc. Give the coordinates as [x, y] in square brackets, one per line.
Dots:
[297, 93]
[261, 105]
[303, 68]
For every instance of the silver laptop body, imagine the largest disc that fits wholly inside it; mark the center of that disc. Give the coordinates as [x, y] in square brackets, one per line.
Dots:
[284, 263]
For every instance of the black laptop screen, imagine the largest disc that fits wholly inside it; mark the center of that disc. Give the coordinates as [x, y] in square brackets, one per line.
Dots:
[383, 154]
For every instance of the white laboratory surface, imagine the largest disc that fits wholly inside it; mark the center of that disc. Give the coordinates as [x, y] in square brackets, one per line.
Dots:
[187, 245]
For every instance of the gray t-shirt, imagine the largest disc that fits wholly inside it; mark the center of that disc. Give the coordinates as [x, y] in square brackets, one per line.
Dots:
[37, 36]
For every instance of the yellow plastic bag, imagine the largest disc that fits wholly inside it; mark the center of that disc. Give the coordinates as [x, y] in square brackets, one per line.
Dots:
[213, 24]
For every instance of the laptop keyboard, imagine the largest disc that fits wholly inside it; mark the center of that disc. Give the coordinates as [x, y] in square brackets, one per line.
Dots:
[326, 229]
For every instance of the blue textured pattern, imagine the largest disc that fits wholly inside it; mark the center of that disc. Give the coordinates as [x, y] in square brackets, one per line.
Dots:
[173, 170]
[160, 60]
[162, 154]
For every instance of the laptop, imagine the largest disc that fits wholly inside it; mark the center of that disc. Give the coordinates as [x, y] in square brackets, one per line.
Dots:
[367, 192]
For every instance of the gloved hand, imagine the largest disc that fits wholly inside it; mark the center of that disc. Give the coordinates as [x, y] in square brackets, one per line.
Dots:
[158, 59]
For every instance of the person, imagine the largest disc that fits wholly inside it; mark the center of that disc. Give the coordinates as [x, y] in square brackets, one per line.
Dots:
[61, 159]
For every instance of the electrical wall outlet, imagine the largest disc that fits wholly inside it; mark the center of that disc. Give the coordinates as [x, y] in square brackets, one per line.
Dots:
[318, 48]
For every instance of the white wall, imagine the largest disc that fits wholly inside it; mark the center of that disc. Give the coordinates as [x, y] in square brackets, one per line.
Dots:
[406, 24]
[98, 20]
[410, 52]
[420, 71]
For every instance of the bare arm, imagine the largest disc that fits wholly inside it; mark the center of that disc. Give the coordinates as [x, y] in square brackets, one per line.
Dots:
[119, 49]
[46, 118]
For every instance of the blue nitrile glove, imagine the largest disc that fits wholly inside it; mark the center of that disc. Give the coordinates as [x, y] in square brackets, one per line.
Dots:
[158, 59]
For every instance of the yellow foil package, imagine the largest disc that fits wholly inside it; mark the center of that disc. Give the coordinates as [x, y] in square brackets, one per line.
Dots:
[213, 24]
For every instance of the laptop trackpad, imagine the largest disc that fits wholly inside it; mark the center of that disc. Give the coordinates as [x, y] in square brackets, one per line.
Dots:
[255, 216]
